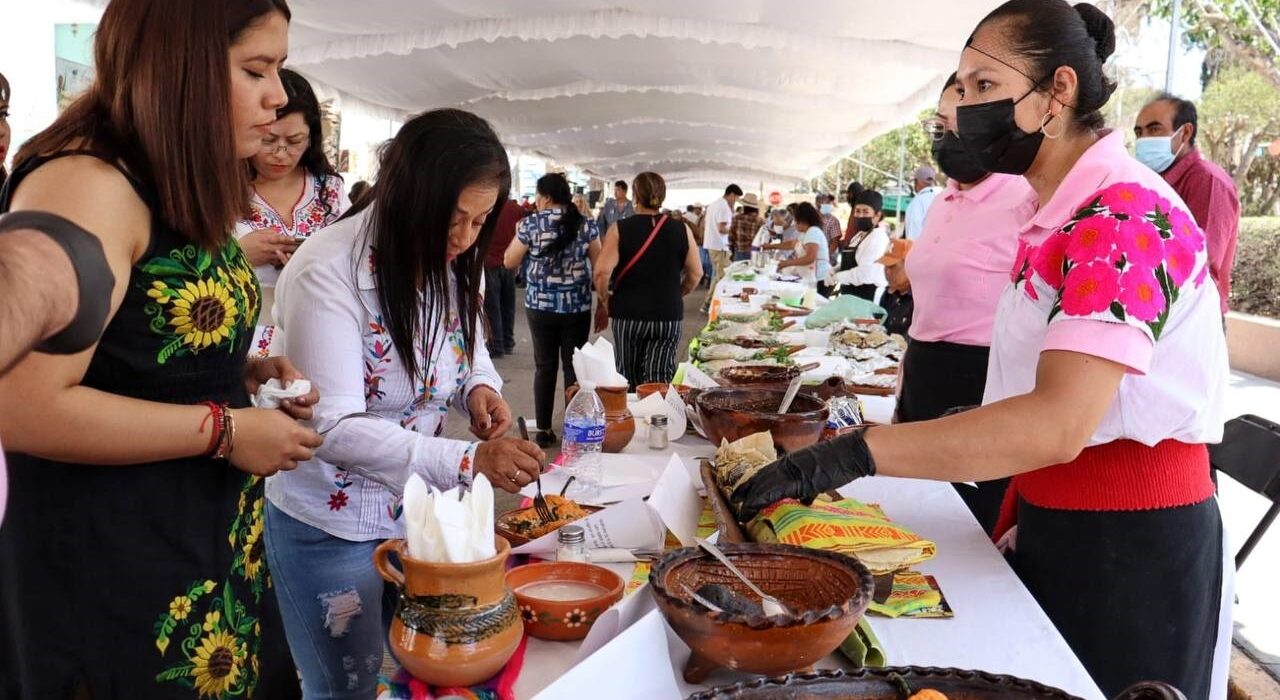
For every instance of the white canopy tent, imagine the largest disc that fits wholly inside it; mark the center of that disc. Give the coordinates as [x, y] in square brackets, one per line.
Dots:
[704, 92]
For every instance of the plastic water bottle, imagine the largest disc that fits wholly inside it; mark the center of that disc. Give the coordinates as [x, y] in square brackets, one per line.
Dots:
[583, 442]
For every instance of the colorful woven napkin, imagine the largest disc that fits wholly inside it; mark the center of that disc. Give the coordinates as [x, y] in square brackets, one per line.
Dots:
[863, 648]
[913, 595]
[846, 526]
[403, 686]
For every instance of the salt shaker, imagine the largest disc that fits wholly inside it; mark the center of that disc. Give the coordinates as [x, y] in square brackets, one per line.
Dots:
[658, 438]
[573, 544]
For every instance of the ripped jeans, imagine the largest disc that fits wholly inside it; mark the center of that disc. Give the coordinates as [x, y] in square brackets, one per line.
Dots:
[335, 606]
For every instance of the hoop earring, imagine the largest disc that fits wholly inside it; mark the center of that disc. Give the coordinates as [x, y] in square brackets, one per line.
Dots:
[1044, 122]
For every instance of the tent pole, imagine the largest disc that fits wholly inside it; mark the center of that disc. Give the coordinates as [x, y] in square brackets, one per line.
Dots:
[1175, 37]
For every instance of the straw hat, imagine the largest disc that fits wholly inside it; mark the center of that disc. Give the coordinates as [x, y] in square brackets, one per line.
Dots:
[897, 252]
[750, 201]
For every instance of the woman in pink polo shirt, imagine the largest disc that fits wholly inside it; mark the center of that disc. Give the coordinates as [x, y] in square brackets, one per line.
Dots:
[959, 266]
[1107, 372]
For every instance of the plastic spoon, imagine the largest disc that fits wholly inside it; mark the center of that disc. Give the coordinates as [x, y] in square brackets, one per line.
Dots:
[790, 396]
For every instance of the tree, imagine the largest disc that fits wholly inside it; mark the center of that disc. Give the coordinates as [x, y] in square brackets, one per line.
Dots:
[1239, 117]
[881, 154]
[1236, 32]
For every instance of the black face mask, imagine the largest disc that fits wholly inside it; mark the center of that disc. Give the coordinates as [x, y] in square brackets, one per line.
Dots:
[955, 161]
[863, 224]
[992, 137]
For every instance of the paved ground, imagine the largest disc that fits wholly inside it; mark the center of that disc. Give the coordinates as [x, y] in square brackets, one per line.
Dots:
[1257, 614]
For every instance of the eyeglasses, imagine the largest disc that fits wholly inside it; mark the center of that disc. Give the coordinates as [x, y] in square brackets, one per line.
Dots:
[274, 148]
[934, 128]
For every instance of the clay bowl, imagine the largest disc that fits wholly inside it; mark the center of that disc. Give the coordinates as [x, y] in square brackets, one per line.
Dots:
[502, 524]
[645, 390]
[563, 620]
[758, 376]
[828, 592]
[734, 413]
[887, 684]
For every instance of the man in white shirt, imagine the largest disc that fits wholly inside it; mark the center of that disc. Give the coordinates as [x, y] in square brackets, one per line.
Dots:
[715, 237]
[925, 191]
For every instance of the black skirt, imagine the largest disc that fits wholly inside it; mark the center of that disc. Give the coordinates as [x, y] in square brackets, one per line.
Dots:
[940, 376]
[1136, 594]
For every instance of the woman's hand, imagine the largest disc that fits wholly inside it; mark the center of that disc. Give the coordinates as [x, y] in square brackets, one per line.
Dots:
[509, 463]
[268, 441]
[268, 247]
[804, 474]
[602, 316]
[259, 371]
[490, 414]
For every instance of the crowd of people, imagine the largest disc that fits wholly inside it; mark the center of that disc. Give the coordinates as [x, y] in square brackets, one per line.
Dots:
[177, 239]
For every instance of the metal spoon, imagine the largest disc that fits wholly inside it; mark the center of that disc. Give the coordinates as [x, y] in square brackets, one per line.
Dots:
[772, 606]
[790, 396]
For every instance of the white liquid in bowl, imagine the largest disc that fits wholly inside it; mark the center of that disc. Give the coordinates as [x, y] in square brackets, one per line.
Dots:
[561, 590]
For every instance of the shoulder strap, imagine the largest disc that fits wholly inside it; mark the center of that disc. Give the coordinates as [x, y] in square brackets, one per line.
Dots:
[640, 253]
[27, 167]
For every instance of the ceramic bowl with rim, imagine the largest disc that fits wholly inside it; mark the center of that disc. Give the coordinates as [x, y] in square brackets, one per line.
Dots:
[827, 593]
[577, 593]
[644, 390]
[733, 413]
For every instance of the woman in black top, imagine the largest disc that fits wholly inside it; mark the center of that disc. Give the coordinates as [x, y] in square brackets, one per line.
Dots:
[638, 281]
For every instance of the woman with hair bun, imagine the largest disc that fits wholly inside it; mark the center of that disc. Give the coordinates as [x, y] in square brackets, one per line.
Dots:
[1107, 363]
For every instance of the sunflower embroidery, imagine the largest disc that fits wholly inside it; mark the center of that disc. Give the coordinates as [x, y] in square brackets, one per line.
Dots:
[200, 299]
[217, 666]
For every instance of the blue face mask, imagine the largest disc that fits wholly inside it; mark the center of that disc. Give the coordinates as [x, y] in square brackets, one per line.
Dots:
[1155, 152]
[828, 208]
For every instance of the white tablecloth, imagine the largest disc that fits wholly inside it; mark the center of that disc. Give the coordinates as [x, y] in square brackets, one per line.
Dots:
[997, 627]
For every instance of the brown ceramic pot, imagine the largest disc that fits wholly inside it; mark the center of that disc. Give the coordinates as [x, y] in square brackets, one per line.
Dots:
[455, 624]
[619, 424]
[732, 413]
[827, 592]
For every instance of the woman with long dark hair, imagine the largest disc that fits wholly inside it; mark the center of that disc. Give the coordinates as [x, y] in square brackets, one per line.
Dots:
[640, 287]
[1107, 373]
[383, 314]
[296, 192]
[131, 556]
[561, 244]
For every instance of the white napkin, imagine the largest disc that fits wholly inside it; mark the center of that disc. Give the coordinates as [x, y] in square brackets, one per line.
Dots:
[441, 527]
[654, 404]
[273, 392]
[595, 365]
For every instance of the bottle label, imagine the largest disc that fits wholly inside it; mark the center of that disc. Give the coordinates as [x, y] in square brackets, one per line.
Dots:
[584, 433]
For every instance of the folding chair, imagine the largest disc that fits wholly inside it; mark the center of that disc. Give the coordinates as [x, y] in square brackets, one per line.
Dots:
[1250, 454]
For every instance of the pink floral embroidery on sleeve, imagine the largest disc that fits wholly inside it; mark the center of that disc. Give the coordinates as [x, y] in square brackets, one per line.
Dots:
[1127, 252]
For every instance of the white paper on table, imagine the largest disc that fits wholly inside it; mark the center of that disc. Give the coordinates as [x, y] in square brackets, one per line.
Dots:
[671, 405]
[827, 367]
[615, 621]
[810, 352]
[636, 664]
[676, 502]
[628, 525]
[697, 379]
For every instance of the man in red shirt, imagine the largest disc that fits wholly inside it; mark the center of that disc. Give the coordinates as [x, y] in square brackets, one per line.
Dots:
[500, 283]
[1166, 132]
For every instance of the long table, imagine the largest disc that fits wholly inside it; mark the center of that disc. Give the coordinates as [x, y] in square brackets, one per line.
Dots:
[998, 627]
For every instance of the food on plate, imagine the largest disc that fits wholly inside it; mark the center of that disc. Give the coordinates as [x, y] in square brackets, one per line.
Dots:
[865, 343]
[725, 351]
[928, 694]
[755, 319]
[527, 523]
[738, 461]
[880, 381]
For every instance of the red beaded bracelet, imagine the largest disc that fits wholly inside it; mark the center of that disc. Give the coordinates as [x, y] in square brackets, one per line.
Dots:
[217, 414]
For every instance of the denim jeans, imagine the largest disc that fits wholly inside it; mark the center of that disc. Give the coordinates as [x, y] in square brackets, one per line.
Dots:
[500, 309]
[336, 608]
[705, 256]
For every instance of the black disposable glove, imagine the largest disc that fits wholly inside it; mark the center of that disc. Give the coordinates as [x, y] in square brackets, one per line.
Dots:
[805, 474]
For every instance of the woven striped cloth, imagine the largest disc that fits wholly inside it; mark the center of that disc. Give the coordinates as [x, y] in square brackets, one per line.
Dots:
[846, 526]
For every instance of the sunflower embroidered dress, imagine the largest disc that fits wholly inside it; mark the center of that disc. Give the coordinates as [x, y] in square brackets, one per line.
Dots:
[143, 581]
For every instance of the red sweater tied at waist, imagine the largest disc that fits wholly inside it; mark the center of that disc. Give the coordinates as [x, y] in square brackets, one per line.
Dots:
[1117, 476]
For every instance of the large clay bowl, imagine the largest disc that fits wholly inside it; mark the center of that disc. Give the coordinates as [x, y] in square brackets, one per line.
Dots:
[887, 684]
[563, 620]
[734, 413]
[829, 592]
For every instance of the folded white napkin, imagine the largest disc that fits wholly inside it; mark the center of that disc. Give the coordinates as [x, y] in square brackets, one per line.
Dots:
[273, 392]
[595, 365]
[671, 405]
[443, 527]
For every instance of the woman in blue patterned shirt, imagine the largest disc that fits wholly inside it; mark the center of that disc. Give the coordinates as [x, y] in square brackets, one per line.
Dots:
[561, 244]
